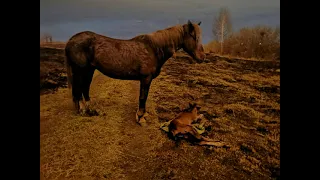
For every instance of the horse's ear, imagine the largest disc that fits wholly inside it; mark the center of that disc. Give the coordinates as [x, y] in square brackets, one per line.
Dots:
[190, 26]
[199, 23]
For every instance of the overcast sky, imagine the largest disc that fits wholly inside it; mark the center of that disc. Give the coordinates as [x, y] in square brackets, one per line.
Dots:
[128, 18]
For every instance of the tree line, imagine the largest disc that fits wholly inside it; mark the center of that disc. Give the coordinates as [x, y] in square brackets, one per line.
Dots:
[261, 42]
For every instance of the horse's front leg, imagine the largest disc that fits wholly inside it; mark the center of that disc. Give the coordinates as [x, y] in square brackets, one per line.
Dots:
[144, 91]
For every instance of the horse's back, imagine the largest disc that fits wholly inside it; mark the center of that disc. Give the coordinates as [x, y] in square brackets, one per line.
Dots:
[83, 34]
[82, 38]
[113, 57]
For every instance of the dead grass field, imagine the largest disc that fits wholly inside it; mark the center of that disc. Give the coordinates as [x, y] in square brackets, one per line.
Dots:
[57, 45]
[239, 98]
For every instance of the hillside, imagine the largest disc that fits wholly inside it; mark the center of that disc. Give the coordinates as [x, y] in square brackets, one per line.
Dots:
[239, 98]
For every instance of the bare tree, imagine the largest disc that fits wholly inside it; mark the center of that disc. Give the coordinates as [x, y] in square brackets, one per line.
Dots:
[222, 27]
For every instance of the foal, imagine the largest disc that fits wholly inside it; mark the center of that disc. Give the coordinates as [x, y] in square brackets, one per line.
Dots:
[182, 125]
[139, 58]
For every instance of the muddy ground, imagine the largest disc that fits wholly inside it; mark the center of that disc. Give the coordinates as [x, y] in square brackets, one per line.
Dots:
[52, 70]
[239, 98]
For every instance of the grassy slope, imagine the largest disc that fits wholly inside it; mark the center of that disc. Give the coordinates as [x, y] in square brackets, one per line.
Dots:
[239, 98]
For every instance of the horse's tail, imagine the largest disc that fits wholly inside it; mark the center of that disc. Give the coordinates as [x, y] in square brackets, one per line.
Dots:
[68, 68]
[78, 52]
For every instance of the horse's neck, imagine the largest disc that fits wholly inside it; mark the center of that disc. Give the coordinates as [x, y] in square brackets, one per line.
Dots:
[167, 51]
[168, 47]
[164, 43]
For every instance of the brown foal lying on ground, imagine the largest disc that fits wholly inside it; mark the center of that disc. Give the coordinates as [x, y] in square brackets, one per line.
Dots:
[181, 126]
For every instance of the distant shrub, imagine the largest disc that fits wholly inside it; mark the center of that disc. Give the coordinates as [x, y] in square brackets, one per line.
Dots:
[260, 42]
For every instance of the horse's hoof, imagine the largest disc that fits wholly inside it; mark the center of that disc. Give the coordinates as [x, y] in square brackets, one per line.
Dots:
[142, 120]
[82, 112]
[92, 112]
[88, 112]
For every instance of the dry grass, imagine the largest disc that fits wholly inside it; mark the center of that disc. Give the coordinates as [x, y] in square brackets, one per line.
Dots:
[56, 44]
[241, 104]
[240, 99]
[239, 57]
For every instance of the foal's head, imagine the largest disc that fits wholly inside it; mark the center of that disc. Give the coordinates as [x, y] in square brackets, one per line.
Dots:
[192, 41]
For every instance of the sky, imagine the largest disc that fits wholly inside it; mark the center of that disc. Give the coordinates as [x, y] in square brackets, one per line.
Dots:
[128, 18]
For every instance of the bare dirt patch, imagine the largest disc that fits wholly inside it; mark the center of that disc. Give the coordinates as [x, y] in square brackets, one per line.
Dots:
[52, 70]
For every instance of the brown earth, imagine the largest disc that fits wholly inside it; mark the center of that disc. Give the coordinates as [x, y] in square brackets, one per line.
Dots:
[239, 98]
[52, 71]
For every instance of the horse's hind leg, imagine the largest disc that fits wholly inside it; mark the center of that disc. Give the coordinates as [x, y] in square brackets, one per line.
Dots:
[77, 90]
[86, 82]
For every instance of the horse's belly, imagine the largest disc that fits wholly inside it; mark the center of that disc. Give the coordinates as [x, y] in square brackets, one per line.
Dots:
[126, 68]
[120, 74]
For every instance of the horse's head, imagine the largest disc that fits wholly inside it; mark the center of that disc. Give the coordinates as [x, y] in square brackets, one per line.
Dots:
[192, 41]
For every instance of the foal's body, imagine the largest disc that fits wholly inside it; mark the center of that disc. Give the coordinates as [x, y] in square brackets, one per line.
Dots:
[139, 58]
[182, 124]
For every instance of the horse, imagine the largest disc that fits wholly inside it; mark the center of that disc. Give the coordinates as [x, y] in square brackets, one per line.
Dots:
[139, 58]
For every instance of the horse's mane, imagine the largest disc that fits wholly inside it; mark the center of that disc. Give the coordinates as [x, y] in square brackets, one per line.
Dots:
[163, 38]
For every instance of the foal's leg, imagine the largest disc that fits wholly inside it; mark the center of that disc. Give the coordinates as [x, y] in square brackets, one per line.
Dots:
[198, 136]
[87, 78]
[144, 91]
[200, 116]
